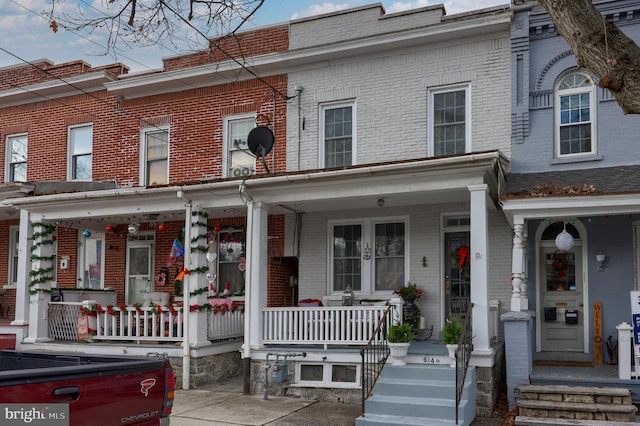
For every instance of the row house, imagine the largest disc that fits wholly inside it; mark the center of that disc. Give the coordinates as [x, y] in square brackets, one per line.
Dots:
[382, 148]
[572, 201]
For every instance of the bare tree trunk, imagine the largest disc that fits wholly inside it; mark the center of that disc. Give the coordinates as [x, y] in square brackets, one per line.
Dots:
[600, 47]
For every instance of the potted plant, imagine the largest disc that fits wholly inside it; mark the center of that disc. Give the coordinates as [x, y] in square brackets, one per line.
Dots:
[399, 338]
[451, 337]
[410, 311]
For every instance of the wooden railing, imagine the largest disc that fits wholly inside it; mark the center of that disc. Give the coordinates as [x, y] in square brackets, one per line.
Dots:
[463, 355]
[63, 320]
[229, 325]
[374, 356]
[327, 325]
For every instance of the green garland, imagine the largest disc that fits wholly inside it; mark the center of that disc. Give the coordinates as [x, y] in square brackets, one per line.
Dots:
[41, 238]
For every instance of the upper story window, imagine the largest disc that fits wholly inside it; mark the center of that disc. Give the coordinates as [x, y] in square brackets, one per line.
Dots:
[450, 118]
[575, 116]
[237, 158]
[16, 165]
[80, 152]
[337, 124]
[155, 157]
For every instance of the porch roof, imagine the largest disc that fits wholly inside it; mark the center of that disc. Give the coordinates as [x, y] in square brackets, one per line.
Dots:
[584, 192]
[402, 183]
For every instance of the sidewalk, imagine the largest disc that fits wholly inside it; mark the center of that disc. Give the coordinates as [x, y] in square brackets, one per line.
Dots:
[225, 404]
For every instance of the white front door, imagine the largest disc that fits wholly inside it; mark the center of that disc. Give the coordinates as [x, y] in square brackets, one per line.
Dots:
[562, 313]
[139, 270]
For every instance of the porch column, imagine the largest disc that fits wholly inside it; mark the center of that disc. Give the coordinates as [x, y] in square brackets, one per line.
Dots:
[24, 266]
[40, 253]
[479, 279]
[256, 288]
[197, 280]
[519, 299]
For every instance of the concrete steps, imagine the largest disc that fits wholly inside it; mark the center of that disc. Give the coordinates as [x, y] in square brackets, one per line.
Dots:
[419, 395]
[574, 405]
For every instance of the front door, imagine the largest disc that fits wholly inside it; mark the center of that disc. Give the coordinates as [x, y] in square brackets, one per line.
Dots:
[457, 280]
[139, 270]
[561, 300]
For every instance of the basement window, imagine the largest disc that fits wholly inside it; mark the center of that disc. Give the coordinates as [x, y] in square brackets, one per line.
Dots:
[329, 375]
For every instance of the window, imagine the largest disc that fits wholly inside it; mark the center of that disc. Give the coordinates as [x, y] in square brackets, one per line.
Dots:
[155, 157]
[338, 135]
[450, 117]
[17, 158]
[231, 260]
[80, 152]
[335, 375]
[369, 256]
[14, 239]
[575, 97]
[239, 161]
[91, 261]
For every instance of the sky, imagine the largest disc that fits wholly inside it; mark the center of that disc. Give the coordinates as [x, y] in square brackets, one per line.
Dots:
[25, 35]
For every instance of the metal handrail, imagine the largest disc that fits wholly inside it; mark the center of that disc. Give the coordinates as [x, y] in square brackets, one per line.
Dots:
[463, 355]
[374, 356]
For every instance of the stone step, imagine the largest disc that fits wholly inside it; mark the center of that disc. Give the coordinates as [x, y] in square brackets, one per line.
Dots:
[528, 391]
[546, 421]
[578, 410]
[386, 420]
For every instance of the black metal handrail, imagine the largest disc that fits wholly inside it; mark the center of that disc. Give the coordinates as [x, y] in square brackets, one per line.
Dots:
[463, 355]
[374, 355]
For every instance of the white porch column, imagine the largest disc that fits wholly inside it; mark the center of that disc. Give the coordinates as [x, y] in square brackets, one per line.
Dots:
[479, 272]
[24, 266]
[256, 287]
[517, 268]
[41, 296]
[198, 276]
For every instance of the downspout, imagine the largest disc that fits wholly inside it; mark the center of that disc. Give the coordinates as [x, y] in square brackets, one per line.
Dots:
[186, 345]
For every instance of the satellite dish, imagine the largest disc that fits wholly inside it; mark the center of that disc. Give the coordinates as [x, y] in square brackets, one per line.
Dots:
[260, 141]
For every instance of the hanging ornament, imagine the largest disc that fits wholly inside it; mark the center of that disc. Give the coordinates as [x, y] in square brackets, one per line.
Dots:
[162, 227]
[217, 228]
[564, 240]
[86, 233]
[109, 228]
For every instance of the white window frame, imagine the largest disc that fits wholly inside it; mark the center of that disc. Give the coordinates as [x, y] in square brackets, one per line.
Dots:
[83, 262]
[322, 143]
[9, 149]
[467, 110]
[591, 90]
[367, 266]
[227, 145]
[71, 154]
[143, 152]
[327, 370]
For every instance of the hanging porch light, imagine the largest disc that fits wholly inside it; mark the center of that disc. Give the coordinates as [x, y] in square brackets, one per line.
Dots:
[564, 240]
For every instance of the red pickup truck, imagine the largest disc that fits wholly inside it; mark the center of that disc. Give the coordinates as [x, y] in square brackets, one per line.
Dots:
[98, 390]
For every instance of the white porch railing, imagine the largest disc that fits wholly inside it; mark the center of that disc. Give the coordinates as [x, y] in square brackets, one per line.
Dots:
[140, 324]
[225, 326]
[340, 325]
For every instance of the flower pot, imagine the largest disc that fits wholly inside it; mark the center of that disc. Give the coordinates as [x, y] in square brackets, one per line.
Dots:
[398, 352]
[410, 312]
[452, 353]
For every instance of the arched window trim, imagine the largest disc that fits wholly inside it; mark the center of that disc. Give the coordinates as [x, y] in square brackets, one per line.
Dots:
[559, 94]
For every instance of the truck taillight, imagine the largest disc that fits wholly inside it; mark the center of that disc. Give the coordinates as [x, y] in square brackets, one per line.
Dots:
[169, 392]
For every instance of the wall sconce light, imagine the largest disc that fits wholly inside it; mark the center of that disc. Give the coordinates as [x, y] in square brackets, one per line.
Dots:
[600, 258]
[424, 261]
[366, 252]
[380, 202]
[347, 296]
[133, 228]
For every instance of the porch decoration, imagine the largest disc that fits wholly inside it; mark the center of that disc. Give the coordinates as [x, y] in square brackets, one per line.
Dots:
[462, 257]
[43, 237]
[347, 296]
[398, 339]
[564, 240]
[86, 233]
[560, 264]
[451, 337]
[410, 311]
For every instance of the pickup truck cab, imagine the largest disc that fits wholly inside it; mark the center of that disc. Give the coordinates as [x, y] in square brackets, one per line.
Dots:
[99, 390]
